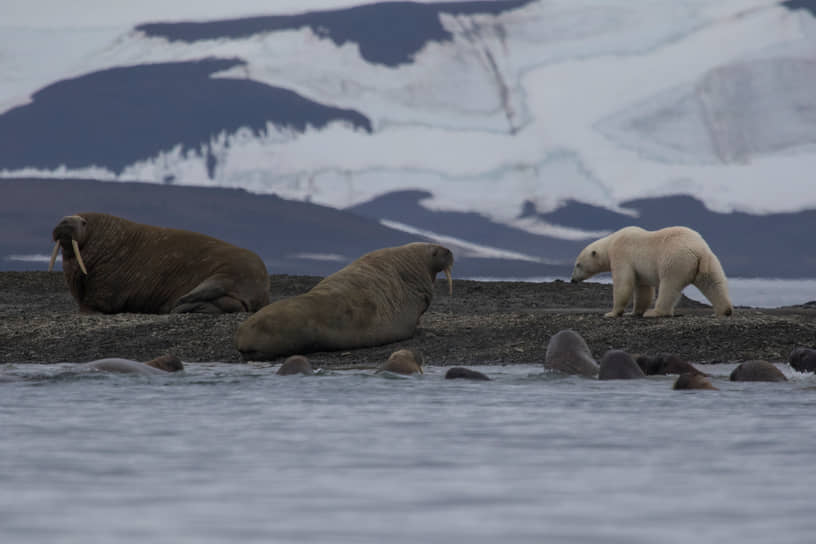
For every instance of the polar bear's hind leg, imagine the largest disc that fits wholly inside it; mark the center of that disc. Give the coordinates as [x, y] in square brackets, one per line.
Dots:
[644, 294]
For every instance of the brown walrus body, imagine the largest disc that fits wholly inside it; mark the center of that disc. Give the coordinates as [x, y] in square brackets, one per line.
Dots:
[296, 364]
[757, 371]
[619, 365]
[666, 364]
[403, 361]
[159, 365]
[803, 359]
[462, 373]
[567, 352]
[375, 300]
[124, 266]
[690, 380]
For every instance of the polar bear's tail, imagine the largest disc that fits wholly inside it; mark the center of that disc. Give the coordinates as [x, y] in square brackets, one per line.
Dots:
[711, 281]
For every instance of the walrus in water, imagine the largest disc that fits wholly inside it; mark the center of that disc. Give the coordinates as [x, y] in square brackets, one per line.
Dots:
[666, 364]
[567, 352]
[757, 371]
[296, 364]
[114, 265]
[159, 365]
[803, 359]
[375, 300]
[403, 361]
[619, 365]
[460, 372]
[692, 381]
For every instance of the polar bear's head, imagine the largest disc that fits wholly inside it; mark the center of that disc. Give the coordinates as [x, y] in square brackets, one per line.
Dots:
[592, 260]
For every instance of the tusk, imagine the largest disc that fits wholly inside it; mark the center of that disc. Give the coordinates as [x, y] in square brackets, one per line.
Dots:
[78, 256]
[450, 280]
[53, 257]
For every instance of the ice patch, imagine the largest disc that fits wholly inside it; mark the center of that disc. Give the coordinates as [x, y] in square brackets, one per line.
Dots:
[464, 248]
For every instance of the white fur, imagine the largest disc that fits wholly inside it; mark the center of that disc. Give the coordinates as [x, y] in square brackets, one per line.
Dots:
[668, 259]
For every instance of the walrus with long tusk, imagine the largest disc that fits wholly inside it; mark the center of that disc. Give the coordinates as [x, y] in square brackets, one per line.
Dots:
[375, 300]
[113, 265]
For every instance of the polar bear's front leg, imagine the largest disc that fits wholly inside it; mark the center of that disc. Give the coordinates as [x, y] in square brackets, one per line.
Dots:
[623, 283]
[644, 294]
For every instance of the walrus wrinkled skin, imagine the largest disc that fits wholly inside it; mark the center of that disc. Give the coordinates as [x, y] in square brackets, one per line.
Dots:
[113, 265]
[157, 366]
[567, 352]
[296, 364]
[803, 359]
[460, 372]
[403, 361]
[692, 381]
[757, 371]
[666, 364]
[375, 300]
[619, 365]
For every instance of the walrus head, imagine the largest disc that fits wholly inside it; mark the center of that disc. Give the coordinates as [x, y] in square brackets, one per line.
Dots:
[442, 261]
[404, 361]
[168, 363]
[69, 234]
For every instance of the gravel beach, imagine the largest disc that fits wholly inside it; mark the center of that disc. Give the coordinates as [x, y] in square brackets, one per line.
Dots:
[482, 323]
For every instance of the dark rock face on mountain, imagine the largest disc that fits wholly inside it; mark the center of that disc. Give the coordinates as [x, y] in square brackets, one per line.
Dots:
[116, 117]
[388, 33]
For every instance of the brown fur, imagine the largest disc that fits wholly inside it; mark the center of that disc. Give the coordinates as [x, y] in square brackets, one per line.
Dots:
[296, 364]
[567, 352]
[168, 363]
[666, 364]
[757, 371]
[619, 365]
[375, 300]
[692, 381]
[803, 359]
[146, 269]
[460, 372]
[403, 361]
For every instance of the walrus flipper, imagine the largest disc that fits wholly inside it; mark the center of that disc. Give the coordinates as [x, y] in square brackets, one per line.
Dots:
[209, 297]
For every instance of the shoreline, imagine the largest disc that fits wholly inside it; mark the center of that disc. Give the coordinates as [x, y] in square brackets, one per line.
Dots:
[502, 322]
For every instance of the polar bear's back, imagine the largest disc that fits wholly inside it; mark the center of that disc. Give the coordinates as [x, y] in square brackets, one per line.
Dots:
[669, 240]
[654, 253]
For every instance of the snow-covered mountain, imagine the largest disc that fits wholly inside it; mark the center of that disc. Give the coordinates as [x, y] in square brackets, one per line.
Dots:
[509, 110]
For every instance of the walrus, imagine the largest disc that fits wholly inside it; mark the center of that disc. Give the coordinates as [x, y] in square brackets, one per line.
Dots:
[159, 365]
[803, 359]
[113, 265]
[460, 372]
[295, 364]
[567, 352]
[692, 381]
[403, 361]
[666, 364]
[757, 371]
[377, 299]
[618, 365]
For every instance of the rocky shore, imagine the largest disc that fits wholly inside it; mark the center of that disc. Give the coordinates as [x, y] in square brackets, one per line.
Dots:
[482, 323]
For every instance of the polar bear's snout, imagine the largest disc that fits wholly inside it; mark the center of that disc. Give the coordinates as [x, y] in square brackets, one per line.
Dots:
[578, 274]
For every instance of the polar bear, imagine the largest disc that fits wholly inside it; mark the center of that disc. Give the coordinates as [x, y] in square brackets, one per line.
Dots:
[640, 260]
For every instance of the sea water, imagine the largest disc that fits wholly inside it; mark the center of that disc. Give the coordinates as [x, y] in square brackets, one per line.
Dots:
[234, 453]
